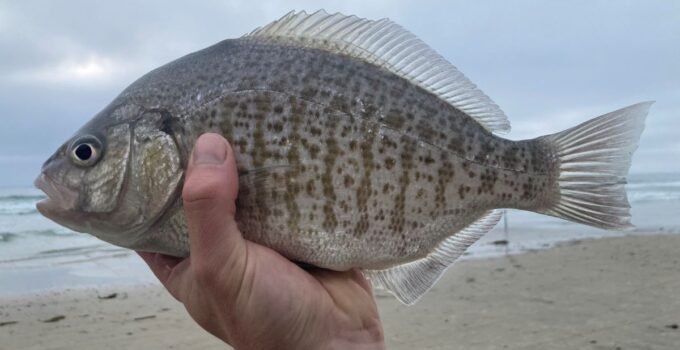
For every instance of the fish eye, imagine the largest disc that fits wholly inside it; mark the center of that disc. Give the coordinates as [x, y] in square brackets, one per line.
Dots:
[86, 151]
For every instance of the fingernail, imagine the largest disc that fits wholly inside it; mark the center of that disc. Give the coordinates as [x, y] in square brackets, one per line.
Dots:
[210, 149]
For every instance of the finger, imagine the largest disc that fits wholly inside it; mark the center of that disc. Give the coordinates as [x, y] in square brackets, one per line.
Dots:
[209, 195]
[346, 288]
[170, 271]
[361, 279]
[210, 192]
[161, 265]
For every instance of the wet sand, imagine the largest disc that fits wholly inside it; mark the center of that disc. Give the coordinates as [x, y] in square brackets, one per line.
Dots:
[613, 293]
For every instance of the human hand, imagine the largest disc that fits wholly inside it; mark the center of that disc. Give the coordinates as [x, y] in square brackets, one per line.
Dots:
[249, 295]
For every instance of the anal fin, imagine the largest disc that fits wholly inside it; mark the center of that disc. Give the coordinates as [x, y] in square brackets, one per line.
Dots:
[408, 282]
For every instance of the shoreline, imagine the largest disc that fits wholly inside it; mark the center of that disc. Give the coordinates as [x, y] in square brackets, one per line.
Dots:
[44, 256]
[589, 294]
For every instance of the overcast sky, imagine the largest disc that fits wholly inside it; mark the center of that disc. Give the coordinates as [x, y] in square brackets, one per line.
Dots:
[548, 64]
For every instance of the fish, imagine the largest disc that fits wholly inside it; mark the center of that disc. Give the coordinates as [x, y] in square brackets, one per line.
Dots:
[357, 146]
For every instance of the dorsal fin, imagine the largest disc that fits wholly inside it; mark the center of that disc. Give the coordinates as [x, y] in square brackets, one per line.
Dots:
[387, 45]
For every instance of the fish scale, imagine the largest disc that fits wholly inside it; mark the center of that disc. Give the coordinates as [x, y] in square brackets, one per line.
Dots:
[357, 146]
[317, 156]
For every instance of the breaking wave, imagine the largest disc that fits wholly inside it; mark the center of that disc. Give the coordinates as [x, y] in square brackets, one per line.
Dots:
[666, 188]
[19, 205]
[6, 237]
[21, 198]
[18, 211]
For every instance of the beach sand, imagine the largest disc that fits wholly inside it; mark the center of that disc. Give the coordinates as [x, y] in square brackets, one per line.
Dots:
[614, 293]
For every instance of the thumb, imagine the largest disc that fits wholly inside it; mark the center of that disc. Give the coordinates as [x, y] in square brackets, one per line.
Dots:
[210, 191]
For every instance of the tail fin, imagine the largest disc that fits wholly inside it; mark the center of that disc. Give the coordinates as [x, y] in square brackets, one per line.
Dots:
[594, 159]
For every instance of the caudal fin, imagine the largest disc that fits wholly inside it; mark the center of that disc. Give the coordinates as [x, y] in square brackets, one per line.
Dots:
[594, 158]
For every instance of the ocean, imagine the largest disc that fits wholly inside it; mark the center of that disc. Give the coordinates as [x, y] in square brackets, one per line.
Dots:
[37, 254]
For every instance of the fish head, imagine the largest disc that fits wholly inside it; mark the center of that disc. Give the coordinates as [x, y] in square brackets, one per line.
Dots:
[115, 177]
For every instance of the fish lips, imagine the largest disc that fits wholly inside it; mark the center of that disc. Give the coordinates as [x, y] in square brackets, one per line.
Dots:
[59, 201]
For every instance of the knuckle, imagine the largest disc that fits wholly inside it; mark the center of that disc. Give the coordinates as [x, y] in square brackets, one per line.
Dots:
[202, 186]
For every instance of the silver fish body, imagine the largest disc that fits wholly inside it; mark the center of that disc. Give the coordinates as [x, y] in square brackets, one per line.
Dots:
[349, 155]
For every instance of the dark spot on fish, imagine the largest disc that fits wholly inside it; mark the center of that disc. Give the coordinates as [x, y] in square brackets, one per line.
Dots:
[311, 188]
[349, 181]
[389, 163]
[314, 150]
[315, 131]
[395, 119]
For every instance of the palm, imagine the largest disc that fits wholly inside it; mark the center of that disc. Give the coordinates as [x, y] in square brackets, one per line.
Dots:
[276, 300]
[277, 294]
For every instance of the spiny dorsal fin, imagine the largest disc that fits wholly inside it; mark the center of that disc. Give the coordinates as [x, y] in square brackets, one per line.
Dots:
[410, 281]
[387, 45]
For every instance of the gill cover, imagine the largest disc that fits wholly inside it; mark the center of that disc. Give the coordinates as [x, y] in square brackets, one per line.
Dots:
[103, 182]
[155, 172]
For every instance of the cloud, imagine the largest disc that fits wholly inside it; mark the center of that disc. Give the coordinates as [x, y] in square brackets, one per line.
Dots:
[548, 65]
[534, 125]
[89, 70]
[4, 18]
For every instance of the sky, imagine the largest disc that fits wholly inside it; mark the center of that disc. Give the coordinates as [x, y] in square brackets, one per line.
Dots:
[548, 64]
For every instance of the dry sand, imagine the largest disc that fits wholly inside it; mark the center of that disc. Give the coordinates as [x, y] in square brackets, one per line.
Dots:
[614, 293]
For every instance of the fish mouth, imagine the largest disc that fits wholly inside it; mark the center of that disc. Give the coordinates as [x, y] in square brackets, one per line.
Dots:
[59, 199]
